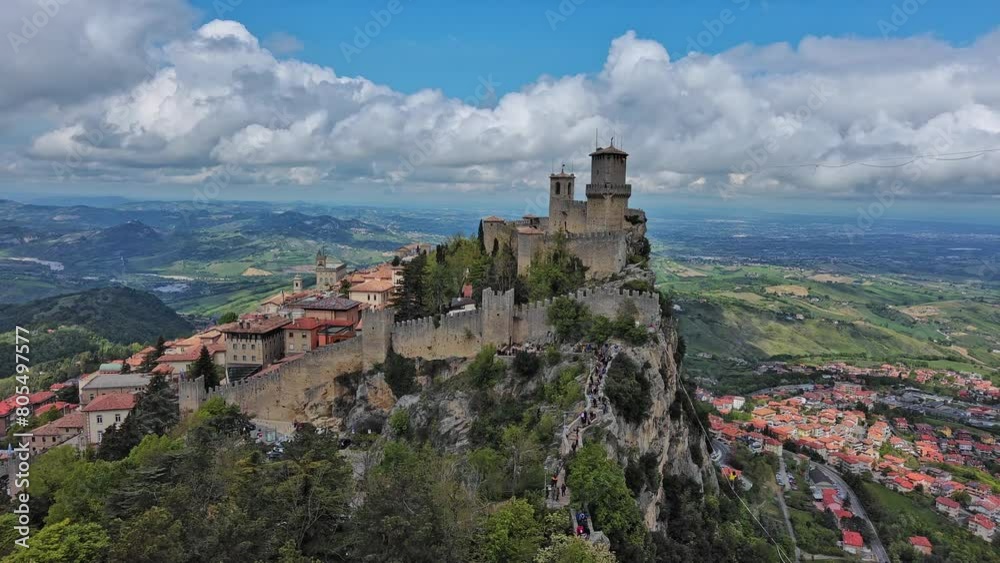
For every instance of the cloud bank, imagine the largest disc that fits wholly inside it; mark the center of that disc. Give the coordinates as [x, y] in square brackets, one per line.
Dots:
[134, 93]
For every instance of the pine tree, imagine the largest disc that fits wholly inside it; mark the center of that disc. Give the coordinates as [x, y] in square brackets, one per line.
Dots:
[148, 362]
[161, 346]
[204, 366]
[410, 300]
[125, 367]
[482, 239]
[155, 412]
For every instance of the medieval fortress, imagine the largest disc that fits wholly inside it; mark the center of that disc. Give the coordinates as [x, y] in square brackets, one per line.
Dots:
[597, 230]
[601, 231]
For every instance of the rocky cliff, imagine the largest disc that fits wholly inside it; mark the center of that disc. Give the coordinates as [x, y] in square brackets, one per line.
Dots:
[445, 412]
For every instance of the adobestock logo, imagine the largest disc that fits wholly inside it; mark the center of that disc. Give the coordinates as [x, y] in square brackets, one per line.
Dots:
[363, 35]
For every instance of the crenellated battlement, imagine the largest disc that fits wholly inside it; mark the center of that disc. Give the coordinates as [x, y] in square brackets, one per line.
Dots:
[282, 390]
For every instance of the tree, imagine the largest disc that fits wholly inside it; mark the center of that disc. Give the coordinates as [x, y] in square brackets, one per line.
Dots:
[569, 318]
[65, 542]
[156, 412]
[161, 346]
[485, 370]
[599, 483]
[526, 364]
[555, 271]
[400, 373]
[416, 509]
[204, 366]
[126, 368]
[511, 533]
[228, 317]
[410, 297]
[148, 362]
[481, 237]
[155, 536]
[571, 549]
[345, 287]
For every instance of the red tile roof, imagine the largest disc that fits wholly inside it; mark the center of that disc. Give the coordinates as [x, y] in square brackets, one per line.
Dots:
[853, 539]
[111, 402]
[920, 541]
[983, 522]
[945, 501]
[71, 420]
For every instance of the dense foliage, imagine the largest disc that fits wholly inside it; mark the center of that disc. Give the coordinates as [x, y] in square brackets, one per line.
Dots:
[117, 314]
[628, 389]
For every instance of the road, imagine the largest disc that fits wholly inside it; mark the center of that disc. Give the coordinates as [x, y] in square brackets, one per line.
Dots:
[784, 509]
[876, 544]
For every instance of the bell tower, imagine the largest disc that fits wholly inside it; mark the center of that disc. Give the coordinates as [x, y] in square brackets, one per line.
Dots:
[561, 191]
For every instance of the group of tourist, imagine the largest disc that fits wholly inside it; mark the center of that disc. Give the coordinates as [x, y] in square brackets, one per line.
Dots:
[514, 349]
[555, 490]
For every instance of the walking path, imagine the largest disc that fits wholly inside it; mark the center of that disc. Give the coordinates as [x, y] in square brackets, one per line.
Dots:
[595, 406]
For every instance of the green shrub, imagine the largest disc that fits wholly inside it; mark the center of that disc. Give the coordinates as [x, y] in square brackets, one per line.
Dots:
[486, 369]
[399, 422]
[526, 364]
[400, 374]
[569, 317]
[628, 389]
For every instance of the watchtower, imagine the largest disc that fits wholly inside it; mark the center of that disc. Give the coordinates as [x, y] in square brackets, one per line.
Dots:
[297, 284]
[561, 192]
[497, 317]
[607, 192]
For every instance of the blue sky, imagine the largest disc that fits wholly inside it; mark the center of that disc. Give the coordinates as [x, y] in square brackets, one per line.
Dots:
[258, 98]
[448, 45]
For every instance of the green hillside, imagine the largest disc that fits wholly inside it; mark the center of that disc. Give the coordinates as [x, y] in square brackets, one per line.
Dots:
[118, 314]
[756, 312]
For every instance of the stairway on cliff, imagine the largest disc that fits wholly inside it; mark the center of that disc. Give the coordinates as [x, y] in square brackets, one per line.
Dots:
[575, 430]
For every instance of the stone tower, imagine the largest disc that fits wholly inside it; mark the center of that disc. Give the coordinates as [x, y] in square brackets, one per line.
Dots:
[376, 335]
[561, 191]
[497, 317]
[297, 284]
[320, 259]
[607, 192]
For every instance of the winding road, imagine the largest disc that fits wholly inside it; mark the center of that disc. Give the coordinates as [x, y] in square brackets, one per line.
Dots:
[876, 544]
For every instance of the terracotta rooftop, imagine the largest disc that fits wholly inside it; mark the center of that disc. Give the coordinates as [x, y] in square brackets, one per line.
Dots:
[376, 286]
[254, 325]
[71, 420]
[853, 539]
[111, 402]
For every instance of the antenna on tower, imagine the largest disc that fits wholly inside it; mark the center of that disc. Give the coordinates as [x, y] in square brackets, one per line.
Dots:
[596, 142]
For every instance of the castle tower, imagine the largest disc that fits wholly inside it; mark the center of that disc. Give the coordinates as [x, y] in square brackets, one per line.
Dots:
[607, 192]
[320, 259]
[297, 284]
[497, 317]
[561, 191]
[376, 335]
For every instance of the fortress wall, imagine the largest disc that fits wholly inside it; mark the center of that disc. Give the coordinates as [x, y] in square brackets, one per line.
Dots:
[576, 217]
[303, 389]
[457, 335]
[604, 254]
[502, 233]
[284, 391]
[531, 322]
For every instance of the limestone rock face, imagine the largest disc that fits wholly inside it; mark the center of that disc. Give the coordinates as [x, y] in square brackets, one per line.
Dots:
[668, 432]
[371, 404]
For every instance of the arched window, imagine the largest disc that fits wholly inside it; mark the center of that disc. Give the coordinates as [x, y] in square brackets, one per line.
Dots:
[557, 188]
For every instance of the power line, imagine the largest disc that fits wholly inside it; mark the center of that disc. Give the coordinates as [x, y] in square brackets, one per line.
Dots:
[781, 552]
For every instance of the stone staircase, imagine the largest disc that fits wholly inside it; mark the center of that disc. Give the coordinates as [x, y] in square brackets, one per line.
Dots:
[574, 433]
